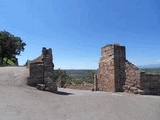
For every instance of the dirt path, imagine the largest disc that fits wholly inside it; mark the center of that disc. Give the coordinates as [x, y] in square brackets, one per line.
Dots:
[21, 102]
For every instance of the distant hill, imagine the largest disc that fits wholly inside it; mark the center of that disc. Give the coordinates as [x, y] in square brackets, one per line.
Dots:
[83, 71]
[152, 70]
[78, 74]
[149, 66]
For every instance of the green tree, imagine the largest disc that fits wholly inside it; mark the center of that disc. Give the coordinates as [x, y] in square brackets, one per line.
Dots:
[68, 80]
[59, 72]
[10, 46]
[78, 81]
[89, 76]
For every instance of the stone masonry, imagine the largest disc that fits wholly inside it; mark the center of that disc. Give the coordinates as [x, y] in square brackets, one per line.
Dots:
[42, 72]
[111, 73]
[116, 74]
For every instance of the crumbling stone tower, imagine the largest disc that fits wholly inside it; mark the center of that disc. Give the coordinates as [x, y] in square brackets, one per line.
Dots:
[47, 64]
[42, 72]
[111, 73]
[48, 68]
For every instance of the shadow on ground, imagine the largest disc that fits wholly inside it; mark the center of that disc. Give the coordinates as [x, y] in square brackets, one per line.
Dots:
[63, 93]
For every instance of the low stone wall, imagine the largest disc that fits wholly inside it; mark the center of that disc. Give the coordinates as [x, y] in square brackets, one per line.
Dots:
[150, 83]
[80, 87]
[139, 82]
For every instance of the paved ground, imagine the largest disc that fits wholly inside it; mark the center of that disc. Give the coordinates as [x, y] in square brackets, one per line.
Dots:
[21, 102]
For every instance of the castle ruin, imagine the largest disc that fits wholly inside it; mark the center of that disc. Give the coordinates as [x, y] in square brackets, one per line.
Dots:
[116, 74]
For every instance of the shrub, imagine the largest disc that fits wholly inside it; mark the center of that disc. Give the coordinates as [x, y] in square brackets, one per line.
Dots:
[68, 81]
[78, 81]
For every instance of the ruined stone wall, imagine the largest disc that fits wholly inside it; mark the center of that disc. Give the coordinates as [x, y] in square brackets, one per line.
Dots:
[36, 74]
[42, 71]
[116, 74]
[37, 60]
[111, 75]
[150, 83]
[139, 82]
[133, 77]
[106, 69]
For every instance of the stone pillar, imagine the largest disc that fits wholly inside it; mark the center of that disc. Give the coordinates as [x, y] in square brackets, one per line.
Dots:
[95, 82]
[119, 66]
[106, 71]
[111, 73]
[48, 71]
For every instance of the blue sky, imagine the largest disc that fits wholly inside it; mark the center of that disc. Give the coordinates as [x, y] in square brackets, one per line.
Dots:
[77, 29]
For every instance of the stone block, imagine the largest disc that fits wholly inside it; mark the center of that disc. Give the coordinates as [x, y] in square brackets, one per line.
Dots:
[31, 81]
[40, 86]
[52, 88]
